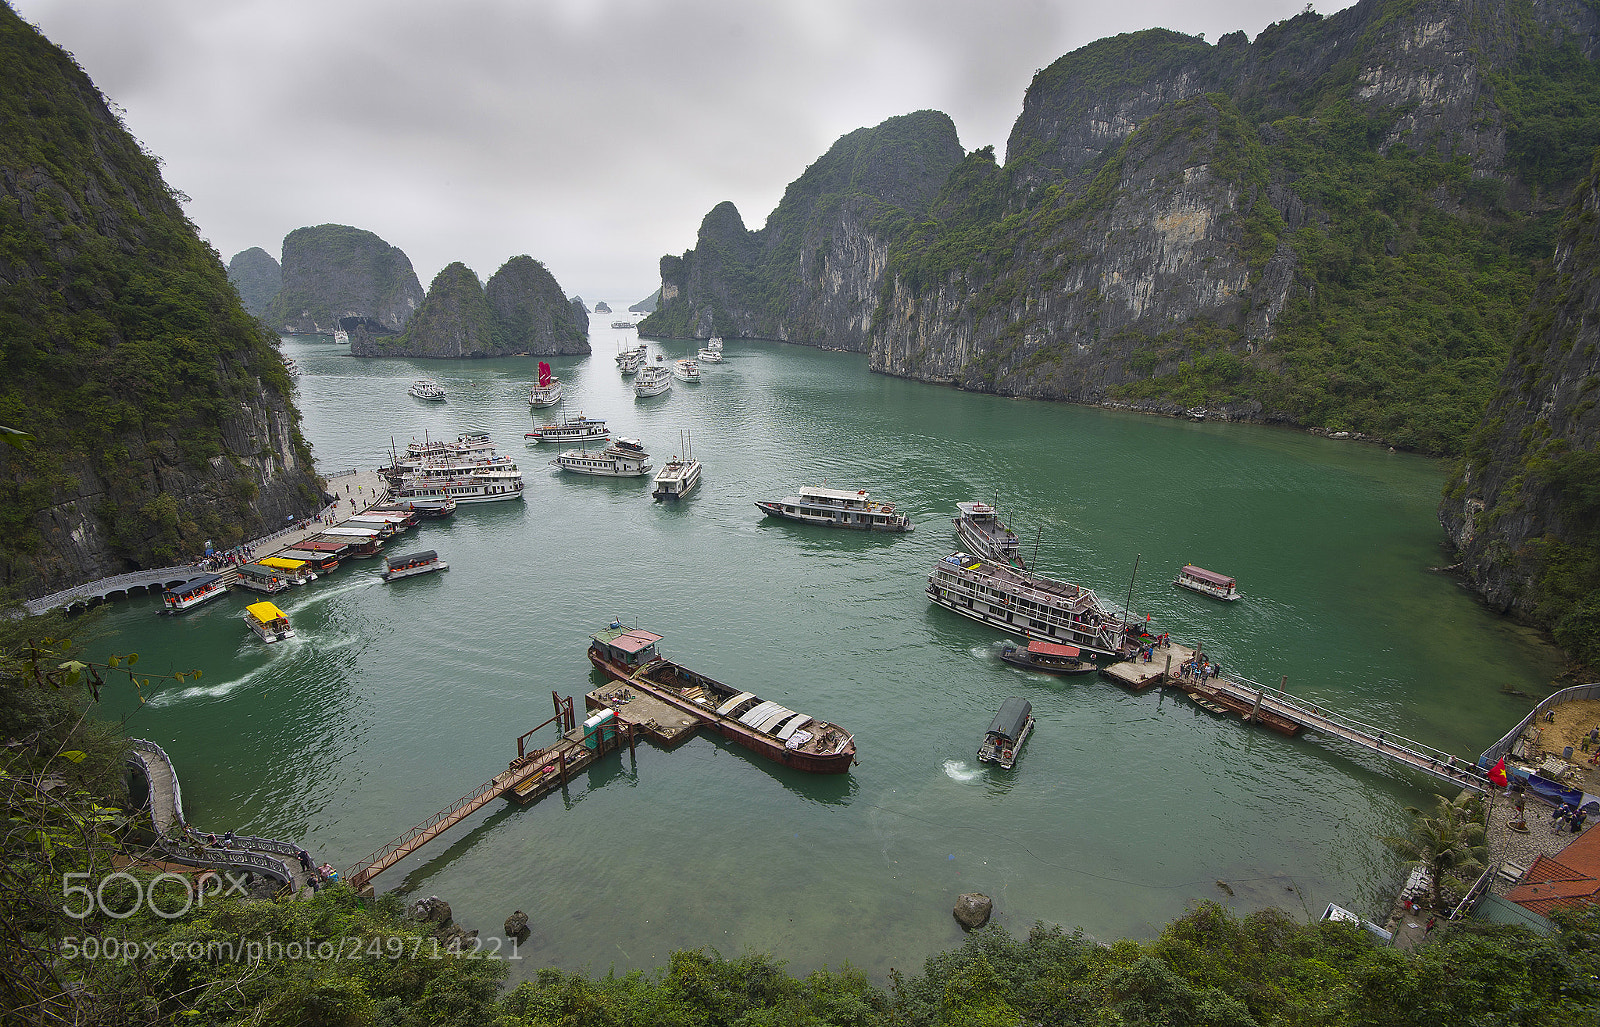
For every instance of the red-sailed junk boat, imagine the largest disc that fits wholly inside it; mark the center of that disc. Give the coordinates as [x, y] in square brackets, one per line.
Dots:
[793, 739]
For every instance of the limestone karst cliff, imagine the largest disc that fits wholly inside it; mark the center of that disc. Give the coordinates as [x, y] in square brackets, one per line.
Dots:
[257, 276]
[335, 272]
[521, 312]
[161, 410]
[1523, 507]
[1334, 224]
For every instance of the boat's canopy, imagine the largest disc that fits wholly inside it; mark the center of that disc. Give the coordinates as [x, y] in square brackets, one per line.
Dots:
[319, 546]
[306, 556]
[282, 563]
[352, 532]
[835, 495]
[266, 612]
[256, 570]
[426, 556]
[368, 520]
[1042, 648]
[1209, 577]
[1011, 719]
[193, 586]
[626, 640]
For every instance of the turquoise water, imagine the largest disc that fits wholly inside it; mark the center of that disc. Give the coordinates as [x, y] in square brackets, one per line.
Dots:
[1123, 809]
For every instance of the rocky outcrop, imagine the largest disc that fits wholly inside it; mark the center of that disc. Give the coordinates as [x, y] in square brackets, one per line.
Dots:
[646, 305]
[522, 312]
[257, 276]
[972, 910]
[160, 409]
[335, 271]
[1522, 509]
[580, 316]
[813, 272]
[602, 307]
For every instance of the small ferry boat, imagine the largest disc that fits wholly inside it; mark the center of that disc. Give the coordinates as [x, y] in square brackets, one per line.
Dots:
[712, 351]
[323, 562]
[1010, 728]
[571, 429]
[262, 579]
[192, 593]
[837, 508]
[1047, 658]
[770, 729]
[980, 529]
[428, 389]
[268, 622]
[425, 562]
[677, 478]
[296, 571]
[653, 380]
[547, 391]
[432, 507]
[1026, 604]
[624, 458]
[686, 370]
[364, 543]
[1207, 583]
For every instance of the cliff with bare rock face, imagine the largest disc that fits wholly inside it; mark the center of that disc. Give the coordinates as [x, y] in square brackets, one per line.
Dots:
[335, 272]
[1336, 224]
[160, 409]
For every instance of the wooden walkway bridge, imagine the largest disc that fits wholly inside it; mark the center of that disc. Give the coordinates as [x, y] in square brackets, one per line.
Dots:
[181, 843]
[534, 774]
[1289, 714]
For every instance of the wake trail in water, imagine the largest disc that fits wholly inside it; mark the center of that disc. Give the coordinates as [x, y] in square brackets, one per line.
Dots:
[956, 770]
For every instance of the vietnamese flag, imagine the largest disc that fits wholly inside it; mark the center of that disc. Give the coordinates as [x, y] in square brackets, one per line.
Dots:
[1497, 773]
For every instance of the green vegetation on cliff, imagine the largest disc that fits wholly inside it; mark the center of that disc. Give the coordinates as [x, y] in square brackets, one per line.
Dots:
[123, 346]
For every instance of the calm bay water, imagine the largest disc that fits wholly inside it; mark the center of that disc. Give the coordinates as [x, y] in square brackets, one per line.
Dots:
[1123, 810]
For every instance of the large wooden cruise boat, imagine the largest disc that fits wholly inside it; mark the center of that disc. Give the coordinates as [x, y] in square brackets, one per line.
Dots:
[571, 429]
[1026, 604]
[768, 728]
[837, 508]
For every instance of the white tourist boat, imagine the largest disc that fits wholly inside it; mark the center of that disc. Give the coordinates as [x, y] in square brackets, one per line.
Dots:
[479, 484]
[571, 429]
[629, 361]
[257, 578]
[192, 593]
[837, 508]
[686, 370]
[297, 571]
[624, 458]
[425, 562]
[712, 352]
[268, 622]
[428, 389]
[1207, 583]
[980, 529]
[546, 392]
[677, 478]
[341, 336]
[427, 499]
[653, 380]
[623, 324]
[1025, 604]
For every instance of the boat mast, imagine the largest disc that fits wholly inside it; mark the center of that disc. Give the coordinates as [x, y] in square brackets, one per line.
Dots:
[1036, 540]
[1126, 606]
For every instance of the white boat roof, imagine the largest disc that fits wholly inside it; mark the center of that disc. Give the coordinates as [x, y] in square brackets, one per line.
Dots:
[795, 723]
[842, 495]
[351, 532]
[377, 518]
[736, 700]
[760, 713]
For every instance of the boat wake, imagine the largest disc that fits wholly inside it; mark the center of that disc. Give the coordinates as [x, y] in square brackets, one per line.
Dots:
[956, 770]
[215, 691]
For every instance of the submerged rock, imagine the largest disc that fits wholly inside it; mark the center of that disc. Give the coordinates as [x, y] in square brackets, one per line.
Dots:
[972, 910]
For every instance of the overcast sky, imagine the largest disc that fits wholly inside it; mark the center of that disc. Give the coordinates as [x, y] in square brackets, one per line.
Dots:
[592, 134]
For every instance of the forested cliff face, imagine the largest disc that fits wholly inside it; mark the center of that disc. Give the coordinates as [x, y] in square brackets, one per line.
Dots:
[161, 409]
[813, 273]
[1523, 507]
[332, 272]
[257, 276]
[522, 312]
[1337, 224]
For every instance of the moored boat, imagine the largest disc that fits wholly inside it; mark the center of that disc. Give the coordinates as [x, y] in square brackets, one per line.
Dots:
[324, 562]
[1047, 658]
[980, 529]
[1009, 729]
[1026, 604]
[192, 593]
[425, 562]
[431, 506]
[476, 488]
[686, 370]
[268, 622]
[297, 571]
[767, 728]
[1207, 583]
[547, 391]
[624, 458]
[364, 543]
[262, 579]
[711, 353]
[653, 380]
[571, 429]
[428, 389]
[837, 508]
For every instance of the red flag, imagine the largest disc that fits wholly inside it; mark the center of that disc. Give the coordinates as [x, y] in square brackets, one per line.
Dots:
[1497, 773]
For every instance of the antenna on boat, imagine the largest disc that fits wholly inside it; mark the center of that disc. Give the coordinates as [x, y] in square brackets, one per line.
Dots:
[1036, 539]
[1129, 603]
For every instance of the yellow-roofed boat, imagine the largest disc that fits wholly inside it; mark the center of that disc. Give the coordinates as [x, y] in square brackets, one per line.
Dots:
[297, 571]
[268, 622]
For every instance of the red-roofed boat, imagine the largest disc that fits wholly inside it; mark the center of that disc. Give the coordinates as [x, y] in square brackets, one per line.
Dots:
[780, 734]
[1207, 583]
[1047, 658]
